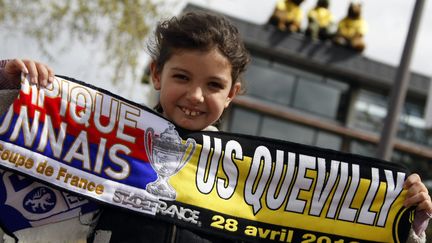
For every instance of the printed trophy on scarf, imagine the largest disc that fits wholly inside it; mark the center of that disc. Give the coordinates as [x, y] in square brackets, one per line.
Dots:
[167, 155]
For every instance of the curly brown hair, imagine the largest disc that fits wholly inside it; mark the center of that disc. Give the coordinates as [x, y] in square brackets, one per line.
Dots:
[199, 30]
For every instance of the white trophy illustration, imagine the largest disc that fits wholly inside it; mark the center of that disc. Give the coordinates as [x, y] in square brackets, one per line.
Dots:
[167, 156]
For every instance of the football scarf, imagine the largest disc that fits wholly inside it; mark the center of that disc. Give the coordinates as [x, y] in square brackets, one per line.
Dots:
[26, 203]
[89, 142]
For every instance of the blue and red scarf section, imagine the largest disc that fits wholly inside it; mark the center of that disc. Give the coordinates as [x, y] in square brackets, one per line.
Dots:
[70, 147]
[30, 201]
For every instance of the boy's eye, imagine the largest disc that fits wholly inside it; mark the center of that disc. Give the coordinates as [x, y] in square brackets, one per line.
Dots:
[216, 85]
[180, 77]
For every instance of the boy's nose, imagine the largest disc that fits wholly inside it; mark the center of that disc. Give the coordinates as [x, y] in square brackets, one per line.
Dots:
[195, 94]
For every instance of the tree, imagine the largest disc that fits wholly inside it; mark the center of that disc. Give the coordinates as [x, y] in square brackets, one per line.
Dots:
[121, 26]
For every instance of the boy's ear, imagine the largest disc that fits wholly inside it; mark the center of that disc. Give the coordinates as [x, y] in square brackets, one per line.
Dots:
[155, 76]
[235, 89]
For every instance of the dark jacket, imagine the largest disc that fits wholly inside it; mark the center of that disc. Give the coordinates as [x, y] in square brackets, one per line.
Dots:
[131, 227]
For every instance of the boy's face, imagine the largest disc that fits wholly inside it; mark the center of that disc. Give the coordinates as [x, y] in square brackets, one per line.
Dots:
[195, 87]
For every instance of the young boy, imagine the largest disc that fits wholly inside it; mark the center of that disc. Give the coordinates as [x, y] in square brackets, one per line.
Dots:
[198, 61]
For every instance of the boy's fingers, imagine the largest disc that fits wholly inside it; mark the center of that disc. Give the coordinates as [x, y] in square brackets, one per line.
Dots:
[425, 205]
[417, 188]
[413, 178]
[33, 72]
[13, 67]
[412, 190]
[37, 72]
[417, 199]
[42, 74]
[22, 66]
[50, 75]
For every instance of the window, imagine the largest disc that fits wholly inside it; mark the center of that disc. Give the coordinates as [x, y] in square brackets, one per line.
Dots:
[269, 84]
[328, 140]
[295, 88]
[370, 111]
[254, 123]
[245, 121]
[363, 148]
[317, 98]
[280, 129]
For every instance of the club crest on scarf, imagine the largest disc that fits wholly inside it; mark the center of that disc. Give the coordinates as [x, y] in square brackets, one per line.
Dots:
[40, 200]
[32, 204]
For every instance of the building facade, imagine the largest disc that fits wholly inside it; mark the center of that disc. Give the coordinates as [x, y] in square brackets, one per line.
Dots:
[316, 93]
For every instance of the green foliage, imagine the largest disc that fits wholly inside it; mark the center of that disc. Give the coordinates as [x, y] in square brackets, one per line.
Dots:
[120, 26]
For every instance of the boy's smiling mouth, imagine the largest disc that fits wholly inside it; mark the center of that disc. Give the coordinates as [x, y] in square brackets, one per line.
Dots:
[190, 112]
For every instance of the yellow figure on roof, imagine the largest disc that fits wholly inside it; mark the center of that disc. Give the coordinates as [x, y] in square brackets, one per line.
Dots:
[320, 19]
[288, 15]
[352, 29]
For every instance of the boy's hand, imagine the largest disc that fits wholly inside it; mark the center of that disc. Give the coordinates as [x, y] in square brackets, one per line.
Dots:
[417, 194]
[39, 73]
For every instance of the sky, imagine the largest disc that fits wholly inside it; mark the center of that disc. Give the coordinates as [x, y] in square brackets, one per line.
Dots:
[387, 20]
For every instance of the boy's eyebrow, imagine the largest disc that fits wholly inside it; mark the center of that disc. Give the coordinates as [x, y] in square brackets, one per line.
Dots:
[180, 69]
[211, 77]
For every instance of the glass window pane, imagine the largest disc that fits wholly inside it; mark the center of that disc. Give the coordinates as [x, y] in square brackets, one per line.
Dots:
[317, 98]
[412, 125]
[328, 140]
[363, 148]
[412, 109]
[269, 84]
[338, 84]
[244, 121]
[260, 61]
[279, 129]
[369, 111]
[297, 72]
